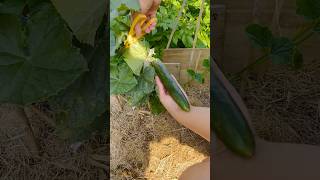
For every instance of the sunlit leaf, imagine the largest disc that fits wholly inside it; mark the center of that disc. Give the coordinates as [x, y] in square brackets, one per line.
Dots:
[132, 4]
[135, 55]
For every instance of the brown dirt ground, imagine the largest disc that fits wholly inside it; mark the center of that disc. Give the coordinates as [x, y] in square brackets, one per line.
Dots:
[58, 159]
[285, 104]
[144, 146]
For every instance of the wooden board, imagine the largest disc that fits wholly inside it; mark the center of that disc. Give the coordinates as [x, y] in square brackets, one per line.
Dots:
[178, 61]
[218, 33]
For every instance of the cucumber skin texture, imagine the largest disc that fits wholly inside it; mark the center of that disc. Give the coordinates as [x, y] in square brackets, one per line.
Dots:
[229, 123]
[171, 85]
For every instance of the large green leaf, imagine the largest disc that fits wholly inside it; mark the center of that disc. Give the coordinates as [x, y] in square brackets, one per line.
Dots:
[12, 6]
[117, 7]
[155, 104]
[118, 32]
[86, 98]
[199, 77]
[144, 88]
[282, 50]
[48, 64]
[206, 64]
[135, 56]
[310, 9]
[83, 16]
[259, 35]
[131, 4]
[122, 79]
[113, 43]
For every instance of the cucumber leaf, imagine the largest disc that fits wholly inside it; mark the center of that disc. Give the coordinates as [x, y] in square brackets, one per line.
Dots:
[199, 77]
[131, 4]
[145, 86]
[259, 35]
[113, 44]
[85, 19]
[282, 50]
[12, 6]
[310, 9]
[122, 79]
[84, 100]
[39, 64]
[155, 104]
[135, 56]
[206, 64]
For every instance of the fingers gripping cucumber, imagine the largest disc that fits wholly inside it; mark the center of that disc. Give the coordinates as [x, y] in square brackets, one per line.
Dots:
[171, 85]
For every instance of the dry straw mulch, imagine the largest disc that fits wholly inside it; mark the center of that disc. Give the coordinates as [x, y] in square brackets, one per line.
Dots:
[56, 160]
[285, 104]
[144, 146]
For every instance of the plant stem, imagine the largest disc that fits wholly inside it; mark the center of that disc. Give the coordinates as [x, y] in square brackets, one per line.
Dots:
[259, 60]
[306, 29]
[299, 41]
[300, 37]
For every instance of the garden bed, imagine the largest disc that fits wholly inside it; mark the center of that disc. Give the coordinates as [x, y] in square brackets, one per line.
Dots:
[285, 104]
[146, 146]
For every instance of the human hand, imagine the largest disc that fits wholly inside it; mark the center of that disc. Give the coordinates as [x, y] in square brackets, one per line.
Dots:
[149, 8]
[167, 101]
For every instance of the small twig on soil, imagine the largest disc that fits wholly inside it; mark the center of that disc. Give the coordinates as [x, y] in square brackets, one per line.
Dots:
[144, 112]
[120, 103]
[180, 129]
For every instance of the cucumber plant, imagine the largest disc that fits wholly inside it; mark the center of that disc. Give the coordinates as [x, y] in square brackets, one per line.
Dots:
[186, 27]
[131, 73]
[285, 50]
[200, 76]
[54, 54]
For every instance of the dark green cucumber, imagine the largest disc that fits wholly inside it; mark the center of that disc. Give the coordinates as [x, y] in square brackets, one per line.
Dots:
[229, 123]
[171, 85]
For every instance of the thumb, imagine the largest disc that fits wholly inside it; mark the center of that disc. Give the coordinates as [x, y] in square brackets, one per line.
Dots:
[162, 90]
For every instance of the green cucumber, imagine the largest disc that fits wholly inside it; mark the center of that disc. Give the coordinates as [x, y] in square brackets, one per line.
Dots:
[229, 123]
[171, 85]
